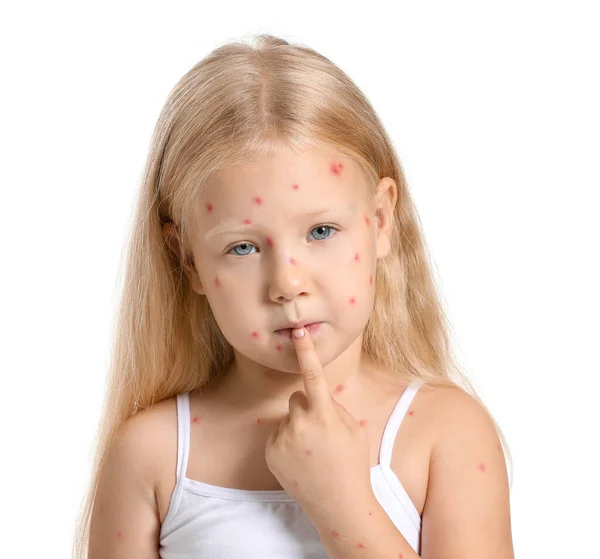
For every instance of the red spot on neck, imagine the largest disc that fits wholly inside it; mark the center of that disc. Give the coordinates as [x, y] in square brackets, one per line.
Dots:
[334, 534]
[291, 260]
[309, 452]
[259, 420]
[411, 412]
[360, 546]
[196, 419]
[279, 347]
[482, 467]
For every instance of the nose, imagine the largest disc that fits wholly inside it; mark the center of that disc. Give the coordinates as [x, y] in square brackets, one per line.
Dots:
[287, 280]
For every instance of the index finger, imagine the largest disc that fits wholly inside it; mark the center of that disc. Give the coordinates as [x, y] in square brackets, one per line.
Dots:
[315, 384]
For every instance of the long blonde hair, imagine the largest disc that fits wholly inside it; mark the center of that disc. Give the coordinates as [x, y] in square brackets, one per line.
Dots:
[242, 101]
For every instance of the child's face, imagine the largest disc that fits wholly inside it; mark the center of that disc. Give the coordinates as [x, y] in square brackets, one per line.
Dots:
[265, 260]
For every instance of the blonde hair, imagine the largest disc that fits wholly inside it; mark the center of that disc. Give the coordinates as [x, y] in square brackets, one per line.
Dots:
[241, 102]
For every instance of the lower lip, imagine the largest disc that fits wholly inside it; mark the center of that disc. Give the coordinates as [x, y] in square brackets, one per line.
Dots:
[312, 328]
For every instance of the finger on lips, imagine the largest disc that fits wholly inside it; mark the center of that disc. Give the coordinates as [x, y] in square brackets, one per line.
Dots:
[315, 385]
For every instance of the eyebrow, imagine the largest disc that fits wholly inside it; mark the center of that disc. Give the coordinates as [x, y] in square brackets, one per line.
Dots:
[230, 226]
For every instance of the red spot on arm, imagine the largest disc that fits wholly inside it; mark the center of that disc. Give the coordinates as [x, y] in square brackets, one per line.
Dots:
[258, 200]
[295, 186]
[352, 300]
[209, 208]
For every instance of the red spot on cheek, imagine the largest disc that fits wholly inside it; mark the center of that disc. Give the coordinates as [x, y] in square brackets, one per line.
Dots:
[270, 242]
[334, 534]
[255, 334]
[258, 200]
[371, 280]
[217, 282]
[352, 300]
[295, 186]
[279, 347]
[357, 257]
[336, 168]
[292, 261]
[362, 424]
[367, 221]
[247, 221]
[482, 467]
[209, 208]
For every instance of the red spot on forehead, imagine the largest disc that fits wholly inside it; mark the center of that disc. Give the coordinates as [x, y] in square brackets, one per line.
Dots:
[367, 221]
[258, 200]
[295, 186]
[336, 168]
[217, 282]
[352, 300]
[255, 334]
[371, 280]
[270, 242]
[356, 257]
[209, 208]
[279, 347]
[247, 221]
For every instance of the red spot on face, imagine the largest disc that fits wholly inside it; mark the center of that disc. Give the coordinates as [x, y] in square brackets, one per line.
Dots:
[309, 452]
[482, 467]
[255, 334]
[356, 257]
[247, 221]
[270, 242]
[209, 208]
[352, 300]
[370, 513]
[292, 261]
[371, 280]
[259, 420]
[295, 186]
[362, 424]
[411, 412]
[279, 347]
[258, 200]
[336, 168]
[334, 534]
[360, 545]
[367, 221]
[119, 534]
[338, 388]
[217, 282]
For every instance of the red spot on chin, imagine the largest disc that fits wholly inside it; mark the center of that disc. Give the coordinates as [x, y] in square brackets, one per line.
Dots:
[209, 208]
[362, 424]
[217, 282]
[279, 347]
[367, 221]
[247, 221]
[371, 280]
[482, 467]
[411, 412]
[336, 168]
[334, 534]
[295, 186]
[270, 242]
[258, 200]
[255, 334]
[352, 300]
[356, 257]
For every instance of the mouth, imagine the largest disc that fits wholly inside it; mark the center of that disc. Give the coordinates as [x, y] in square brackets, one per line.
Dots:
[313, 328]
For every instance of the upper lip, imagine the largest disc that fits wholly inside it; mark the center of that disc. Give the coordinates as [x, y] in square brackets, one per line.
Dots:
[296, 324]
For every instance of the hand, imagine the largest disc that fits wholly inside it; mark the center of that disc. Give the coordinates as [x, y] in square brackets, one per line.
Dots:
[320, 453]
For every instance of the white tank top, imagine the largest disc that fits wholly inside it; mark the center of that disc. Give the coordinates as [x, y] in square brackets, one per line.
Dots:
[211, 522]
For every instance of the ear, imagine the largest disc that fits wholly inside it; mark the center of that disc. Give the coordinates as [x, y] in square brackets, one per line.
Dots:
[171, 237]
[385, 202]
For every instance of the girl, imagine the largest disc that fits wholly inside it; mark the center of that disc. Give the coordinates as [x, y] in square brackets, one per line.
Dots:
[274, 201]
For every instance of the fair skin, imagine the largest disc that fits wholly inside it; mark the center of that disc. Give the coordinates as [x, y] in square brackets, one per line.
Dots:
[263, 261]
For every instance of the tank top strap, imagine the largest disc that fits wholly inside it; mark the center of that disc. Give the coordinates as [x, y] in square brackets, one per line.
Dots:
[395, 420]
[183, 434]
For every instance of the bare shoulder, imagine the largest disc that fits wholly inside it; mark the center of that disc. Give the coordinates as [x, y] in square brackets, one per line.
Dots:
[125, 520]
[467, 507]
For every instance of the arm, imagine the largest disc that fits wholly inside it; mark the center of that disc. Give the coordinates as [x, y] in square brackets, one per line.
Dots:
[125, 521]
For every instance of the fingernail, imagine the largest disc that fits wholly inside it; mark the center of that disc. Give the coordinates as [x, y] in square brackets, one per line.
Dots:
[298, 333]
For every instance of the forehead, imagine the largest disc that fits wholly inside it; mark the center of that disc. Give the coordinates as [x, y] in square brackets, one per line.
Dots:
[302, 180]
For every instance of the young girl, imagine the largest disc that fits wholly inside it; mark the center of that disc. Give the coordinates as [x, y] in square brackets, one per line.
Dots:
[274, 201]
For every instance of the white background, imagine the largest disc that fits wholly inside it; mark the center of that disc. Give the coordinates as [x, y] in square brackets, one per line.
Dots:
[493, 108]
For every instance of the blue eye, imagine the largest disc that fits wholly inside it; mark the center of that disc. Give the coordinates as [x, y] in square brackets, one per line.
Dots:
[245, 246]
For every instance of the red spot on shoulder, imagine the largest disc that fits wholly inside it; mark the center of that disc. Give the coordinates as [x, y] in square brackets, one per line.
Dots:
[356, 257]
[362, 424]
[270, 242]
[255, 334]
[352, 300]
[258, 200]
[295, 186]
[367, 221]
[334, 534]
[209, 208]
[247, 221]
[217, 282]
[411, 412]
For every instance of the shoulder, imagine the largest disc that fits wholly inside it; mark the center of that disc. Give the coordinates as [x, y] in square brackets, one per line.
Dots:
[467, 509]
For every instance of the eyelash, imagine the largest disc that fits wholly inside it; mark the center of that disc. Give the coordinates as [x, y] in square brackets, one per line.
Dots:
[250, 244]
